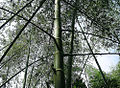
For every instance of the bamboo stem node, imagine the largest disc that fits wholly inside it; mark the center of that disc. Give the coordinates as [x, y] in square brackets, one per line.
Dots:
[59, 69]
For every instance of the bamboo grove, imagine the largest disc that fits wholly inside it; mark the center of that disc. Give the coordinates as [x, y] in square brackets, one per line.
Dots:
[50, 43]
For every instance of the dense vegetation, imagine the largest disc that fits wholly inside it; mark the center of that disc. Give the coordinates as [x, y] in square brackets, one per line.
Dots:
[50, 43]
[96, 81]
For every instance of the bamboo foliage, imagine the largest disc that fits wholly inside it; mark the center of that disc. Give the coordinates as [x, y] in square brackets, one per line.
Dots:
[5, 53]
[56, 35]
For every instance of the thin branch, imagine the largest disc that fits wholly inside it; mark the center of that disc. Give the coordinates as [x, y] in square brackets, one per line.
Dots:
[3, 19]
[4, 47]
[93, 55]
[15, 14]
[5, 53]
[84, 54]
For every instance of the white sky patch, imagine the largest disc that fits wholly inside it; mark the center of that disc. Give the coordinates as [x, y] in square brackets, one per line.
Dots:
[2, 0]
[107, 62]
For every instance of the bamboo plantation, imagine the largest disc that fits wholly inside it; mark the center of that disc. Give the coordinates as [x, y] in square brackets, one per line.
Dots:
[51, 43]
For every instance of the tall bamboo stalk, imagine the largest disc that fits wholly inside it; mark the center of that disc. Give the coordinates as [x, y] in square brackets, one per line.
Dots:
[58, 61]
[70, 58]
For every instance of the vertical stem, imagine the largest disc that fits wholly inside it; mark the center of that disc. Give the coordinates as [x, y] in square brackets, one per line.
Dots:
[58, 61]
[31, 77]
[25, 76]
[70, 58]
[27, 62]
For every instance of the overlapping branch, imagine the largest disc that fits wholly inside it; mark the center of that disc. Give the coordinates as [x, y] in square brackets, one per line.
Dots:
[5, 53]
[16, 14]
[27, 20]
[34, 25]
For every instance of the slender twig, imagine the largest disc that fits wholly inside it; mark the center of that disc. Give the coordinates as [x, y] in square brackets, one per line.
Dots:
[4, 47]
[15, 14]
[5, 53]
[3, 19]
[84, 54]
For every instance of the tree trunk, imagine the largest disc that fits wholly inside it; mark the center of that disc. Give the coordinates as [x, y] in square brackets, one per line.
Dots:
[58, 61]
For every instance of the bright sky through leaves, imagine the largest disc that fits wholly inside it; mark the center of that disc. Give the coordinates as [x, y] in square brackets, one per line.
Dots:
[107, 62]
